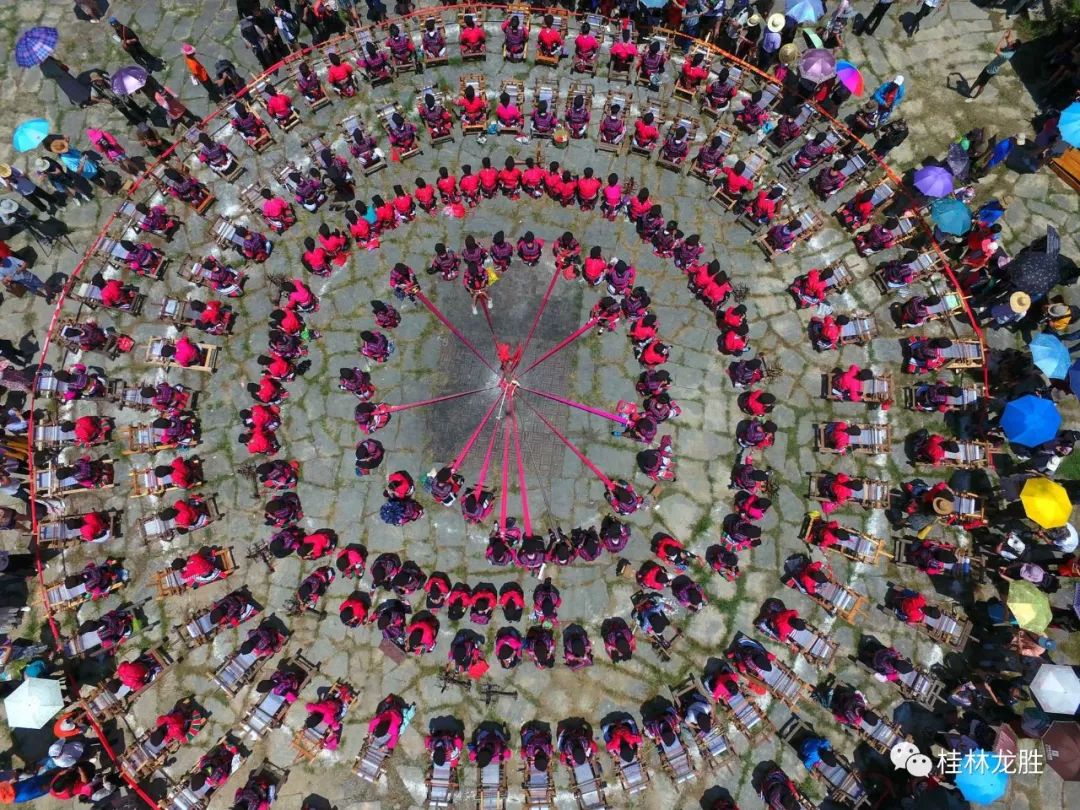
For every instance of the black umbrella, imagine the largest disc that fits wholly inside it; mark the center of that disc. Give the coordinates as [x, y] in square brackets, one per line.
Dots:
[958, 161]
[1035, 272]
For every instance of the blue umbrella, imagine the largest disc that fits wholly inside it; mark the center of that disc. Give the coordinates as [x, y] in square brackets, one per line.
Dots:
[654, 3]
[951, 216]
[934, 181]
[1074, 386]
[990, 212]
[29, 134]
[804, 11]
[982, 777]
[35, 45]
[1069, 124]
[1051, 356]
[1030, 421]
[1001, 151]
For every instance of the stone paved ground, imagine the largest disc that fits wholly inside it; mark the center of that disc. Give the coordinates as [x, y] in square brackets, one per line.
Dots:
[599, 370]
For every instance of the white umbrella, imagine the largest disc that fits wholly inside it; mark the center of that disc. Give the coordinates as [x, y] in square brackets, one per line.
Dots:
[1057, 689]
[34, 703]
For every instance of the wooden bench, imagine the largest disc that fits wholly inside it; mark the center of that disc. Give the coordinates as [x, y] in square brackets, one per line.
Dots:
[691, 124]
[587, 784]
[157, 528]
[238, 670]
[658, 109]
[639, 79]
[442, 783]
[875, 391]
[143, 756]
[308, 742]
[559, 24]
[478, 14]
[478, 82]
[917, 685]
[622, 100]
[170, 582]
[537, 785]
[181, 797]
[199, 631]
[675, 760]
[145, 481]
[491, 786]
[269, 711]
[860, 329]
[874, 493]
[833, 140]
[841, 781]
[440, 101]
[89, 295]
[515, 89]
[967, 568]
[60, 597]
[854, 545]
[727, 137]
[810, 222]
[754, 162]
[870, 440]
[55, 533]
[733, 83]
[625, 74]
[103, 704]
[434, 59]
[811, 643]
[949, 627]
[49, 480]
[154, 356]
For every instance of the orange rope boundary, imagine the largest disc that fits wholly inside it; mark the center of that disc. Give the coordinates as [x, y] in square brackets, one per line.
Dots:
[437, 11]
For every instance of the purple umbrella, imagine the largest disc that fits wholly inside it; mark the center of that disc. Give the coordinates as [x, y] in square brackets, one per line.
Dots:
[934, 181]
[128, 79]
[35, 45]
[817, 65]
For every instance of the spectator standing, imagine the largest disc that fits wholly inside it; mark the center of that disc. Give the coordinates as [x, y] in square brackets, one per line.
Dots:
[199, 74]
[133, 46]
[876, 15]
[12, 179]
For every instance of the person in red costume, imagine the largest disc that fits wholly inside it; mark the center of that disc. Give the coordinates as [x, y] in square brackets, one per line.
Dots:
[278, 104]
[472, 37]
[646, 134]
[199, 568]
[421, 633]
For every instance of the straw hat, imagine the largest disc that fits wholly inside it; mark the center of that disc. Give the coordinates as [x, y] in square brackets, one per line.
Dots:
[755, 19]
[943, 506]
[5, 170]
[187, 49]
[1054, 311]
[775, 23]
[59, 146]
[8, 206]
[1019, 302]
[41, 165]
[789, 53]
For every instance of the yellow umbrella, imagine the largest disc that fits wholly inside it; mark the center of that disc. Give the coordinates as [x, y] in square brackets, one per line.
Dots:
[1046, 502]
[1029, 606]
